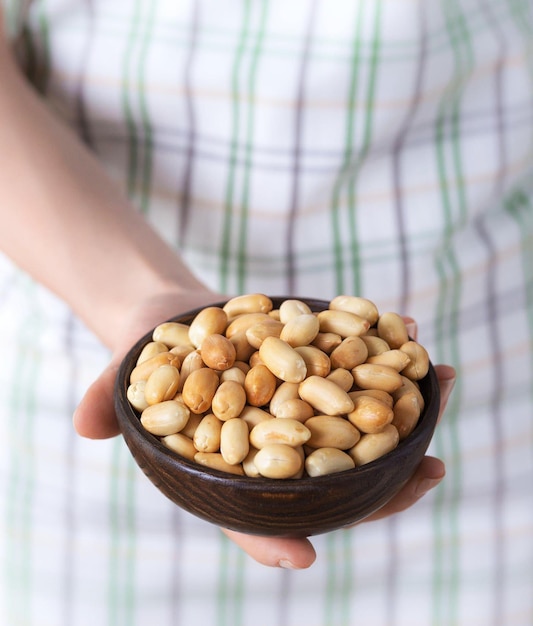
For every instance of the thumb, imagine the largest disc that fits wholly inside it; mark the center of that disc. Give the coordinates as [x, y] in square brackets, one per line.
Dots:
[95, 416]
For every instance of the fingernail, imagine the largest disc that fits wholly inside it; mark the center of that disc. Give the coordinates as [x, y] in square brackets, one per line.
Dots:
[286, 564]
[426, 485]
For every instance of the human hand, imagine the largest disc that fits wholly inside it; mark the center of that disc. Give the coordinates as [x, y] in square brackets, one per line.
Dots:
[95, 418]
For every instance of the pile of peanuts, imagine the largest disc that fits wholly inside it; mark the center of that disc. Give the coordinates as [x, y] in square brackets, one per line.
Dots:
[281, 393]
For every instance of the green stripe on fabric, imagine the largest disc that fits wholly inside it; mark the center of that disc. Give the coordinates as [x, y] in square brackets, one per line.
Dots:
[226, 244]
[121, 591]
[132, 137]
[450, 168]
[348, 150]
[520, 207]
[230, 590]
[19, 505]
[357, 287]
[147, 133]
[339, 590]
[245, 198]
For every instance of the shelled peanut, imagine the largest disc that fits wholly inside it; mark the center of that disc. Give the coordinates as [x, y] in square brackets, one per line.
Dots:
[281, 393]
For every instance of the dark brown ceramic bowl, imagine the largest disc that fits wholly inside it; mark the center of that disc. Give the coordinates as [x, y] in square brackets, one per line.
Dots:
[269, 507]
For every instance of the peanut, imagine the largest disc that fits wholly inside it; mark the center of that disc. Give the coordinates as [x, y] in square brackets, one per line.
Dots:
[328, 461]
[281, 393]
[282, 360]
[278, 460]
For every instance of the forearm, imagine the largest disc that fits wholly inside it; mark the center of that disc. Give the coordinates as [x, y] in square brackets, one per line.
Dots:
[66, 223]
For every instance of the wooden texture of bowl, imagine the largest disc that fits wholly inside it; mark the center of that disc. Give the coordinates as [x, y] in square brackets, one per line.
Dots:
[269, 507]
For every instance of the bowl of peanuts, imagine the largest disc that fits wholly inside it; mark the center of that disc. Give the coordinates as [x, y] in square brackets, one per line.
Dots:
[279, 416]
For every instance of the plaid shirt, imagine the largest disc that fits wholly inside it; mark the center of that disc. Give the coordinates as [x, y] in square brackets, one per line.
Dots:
[375, 147]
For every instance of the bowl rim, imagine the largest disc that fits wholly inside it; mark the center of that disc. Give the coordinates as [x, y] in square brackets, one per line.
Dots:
[129, 423]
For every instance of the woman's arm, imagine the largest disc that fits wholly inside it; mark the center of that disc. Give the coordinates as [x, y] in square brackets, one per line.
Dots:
[67, 224]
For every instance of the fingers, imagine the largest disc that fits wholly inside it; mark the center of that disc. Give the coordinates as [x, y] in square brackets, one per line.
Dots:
[95, 416]
[428, 475]
[275, 551]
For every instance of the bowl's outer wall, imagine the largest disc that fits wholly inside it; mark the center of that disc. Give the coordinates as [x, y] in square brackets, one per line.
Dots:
[274, 507]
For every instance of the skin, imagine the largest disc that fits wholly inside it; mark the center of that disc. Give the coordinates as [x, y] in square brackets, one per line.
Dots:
[71, 228]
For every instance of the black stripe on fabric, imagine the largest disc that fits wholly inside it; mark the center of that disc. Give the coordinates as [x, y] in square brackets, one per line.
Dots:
[397, 153]
[80, 107]
[297, 150]
[190, 120]
[474, 124]
[176, 594]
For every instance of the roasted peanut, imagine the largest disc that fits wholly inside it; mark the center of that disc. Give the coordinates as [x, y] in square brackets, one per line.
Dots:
[245, 321]
[395, 358]
[248, 303]
[351, 352]
[243, 348]
[370, 415]
[233, 373]
[379, 394]
[328, 431]
[391, 327]
[252, 415]
[180, 444]
[375, 445]
[152, 348]
[248, 464]
[325, 396]
[406, 414]
[257, 333]
[165, 418]
[257, 391]
[328, 461]
[282, 360]
[144, 369]
[171, 334]
[229, 400]
[199, 389]
[371, 376]
[342, 323]
[162, 384]
[295, 408]
[209, 321]
[300, 330]
[355, 304]
[136, 397]
[418, 365]
[192, 423]
[207, 434]
[341, 377]
[287, 431]
[218, 352]
[291, 308]
[317, 363]
[234, 442]
[327, 342]
[284, 391]
[259, 385]
[374, 344]
[277, 460]
[215, 460]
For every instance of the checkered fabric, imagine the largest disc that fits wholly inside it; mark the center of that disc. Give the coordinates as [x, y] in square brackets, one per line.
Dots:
[312, 147]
